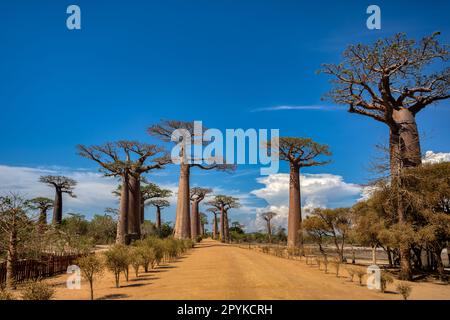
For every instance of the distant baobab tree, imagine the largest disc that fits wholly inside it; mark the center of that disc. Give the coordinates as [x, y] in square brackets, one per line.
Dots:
[62, 185]
[268, 216]
[391, 81]
[151, 191]
[197, 195]
[41, 204]
[203, 222]
[159, 204]
[223, 204]
[127, 160]
[300, 153]
[164, 131]
[215, 227]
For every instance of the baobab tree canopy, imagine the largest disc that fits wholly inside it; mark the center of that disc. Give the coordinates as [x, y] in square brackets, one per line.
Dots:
[302, 151]
[391, 81]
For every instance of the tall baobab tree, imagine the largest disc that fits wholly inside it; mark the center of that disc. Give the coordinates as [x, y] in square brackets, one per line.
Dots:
[62, 185]
[268, 216]
[300, 153]
[224, 203]
[159, 204]
[127, 160]
[13, 220]
[197, 195]
[203, 221]
[215, 227]
[151, 191]
[188, 137]
[391, 81]
[43, 205]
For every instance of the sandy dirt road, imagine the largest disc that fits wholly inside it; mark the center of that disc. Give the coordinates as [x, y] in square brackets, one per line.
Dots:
[219, 271]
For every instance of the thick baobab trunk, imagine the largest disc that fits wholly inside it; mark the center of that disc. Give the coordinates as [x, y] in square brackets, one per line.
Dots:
[227, 228]
[11, 259]
[215, 227]
[183, 219]
[122, 223]
[404, 148]
[134, 207]
[222, 225]
[158, 218]
[269, 231]
[57, 209]
[195, 221]
[295, 215]
[142, 210]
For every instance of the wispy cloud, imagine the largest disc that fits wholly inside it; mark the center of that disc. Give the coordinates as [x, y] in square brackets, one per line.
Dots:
[305, 107]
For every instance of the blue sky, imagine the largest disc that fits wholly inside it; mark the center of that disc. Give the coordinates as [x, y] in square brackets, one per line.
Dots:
[135, 62]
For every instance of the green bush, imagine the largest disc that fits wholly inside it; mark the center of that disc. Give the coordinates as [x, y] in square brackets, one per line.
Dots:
[91, 267]
[385, 279]
[117, 259]
[5, 295]
[404, 289]
[37, 290]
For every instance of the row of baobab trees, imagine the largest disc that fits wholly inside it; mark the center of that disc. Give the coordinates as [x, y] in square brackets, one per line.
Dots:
[390, 81]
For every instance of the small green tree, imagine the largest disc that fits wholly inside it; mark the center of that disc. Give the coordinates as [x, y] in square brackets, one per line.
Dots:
[404, 289]
[91, 267]
[117, 260]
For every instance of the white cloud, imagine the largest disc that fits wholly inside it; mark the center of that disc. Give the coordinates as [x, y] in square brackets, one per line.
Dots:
[93, 191]
[436, 157]
[317, 190]
[305, 107]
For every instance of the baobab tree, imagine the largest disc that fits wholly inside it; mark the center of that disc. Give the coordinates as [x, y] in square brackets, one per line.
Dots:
[159, 204]
[197, 195]
[203, 221]
[300, 153]
[151, 191]
[43, 205]
[391, 81]
[62, 185]
[215, 227]
[224, 203]
[127, 160]
[13, 221]
[186, 138]
[268, 216]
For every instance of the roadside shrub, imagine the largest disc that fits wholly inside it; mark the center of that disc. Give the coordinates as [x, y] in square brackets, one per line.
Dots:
[5, 295]
[117, 260]
[91, 267]
[325, 263]
[144, 254]
[351, 273]
[404, 289]
[265, 249]
[278, 251]
[360, 273]
[37, 290]
[385, 279]
[336, 263]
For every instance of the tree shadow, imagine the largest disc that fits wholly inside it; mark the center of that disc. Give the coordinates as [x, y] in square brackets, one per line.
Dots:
[133, 285]
[141, 279]
[113, 296]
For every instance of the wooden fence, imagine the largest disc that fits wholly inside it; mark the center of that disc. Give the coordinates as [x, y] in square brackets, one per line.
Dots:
[47, 266]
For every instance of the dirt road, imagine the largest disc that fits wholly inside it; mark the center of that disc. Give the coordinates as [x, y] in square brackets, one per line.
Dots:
[219, 271]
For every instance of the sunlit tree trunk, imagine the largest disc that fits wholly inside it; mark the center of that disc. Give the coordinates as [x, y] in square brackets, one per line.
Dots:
[183, 220]
[404, 146]
[222, 224]
[57, 209]
[294, 218]
[122, 223]
[269, 230]
[158, 218]
[195, 220]
[134, 207]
